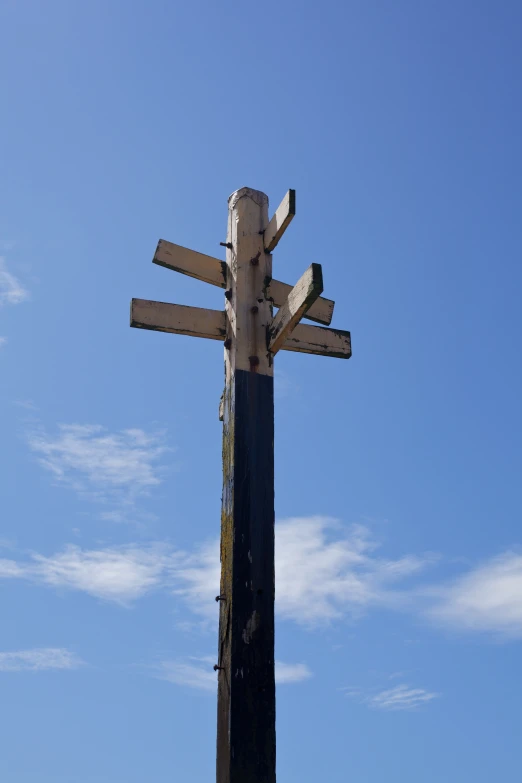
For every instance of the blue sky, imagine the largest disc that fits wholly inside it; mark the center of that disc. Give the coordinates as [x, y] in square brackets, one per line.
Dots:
[398, 499]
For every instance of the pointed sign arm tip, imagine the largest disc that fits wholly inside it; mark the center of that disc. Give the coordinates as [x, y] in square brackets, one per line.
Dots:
[319, 340]
[280, 221]
[305, 292]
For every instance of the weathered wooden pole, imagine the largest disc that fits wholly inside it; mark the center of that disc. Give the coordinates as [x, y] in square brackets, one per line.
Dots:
[246, 742]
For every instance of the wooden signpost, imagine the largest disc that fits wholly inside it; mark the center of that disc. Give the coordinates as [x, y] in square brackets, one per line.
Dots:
[252, 335]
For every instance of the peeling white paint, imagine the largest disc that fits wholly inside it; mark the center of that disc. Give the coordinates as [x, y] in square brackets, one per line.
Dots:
[251, 627]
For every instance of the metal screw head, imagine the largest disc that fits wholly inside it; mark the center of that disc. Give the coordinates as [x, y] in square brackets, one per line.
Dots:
[254, 309]
[255, 260]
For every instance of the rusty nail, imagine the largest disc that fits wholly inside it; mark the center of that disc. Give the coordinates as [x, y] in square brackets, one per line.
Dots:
[226, 244]
[254, 361]
[255, 260]
[216, 667]
[220, 597]
[228, 294]
[254, 309]
[228, 342]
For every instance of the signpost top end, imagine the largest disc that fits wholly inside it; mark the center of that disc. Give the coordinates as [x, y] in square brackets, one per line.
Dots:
[258, 196]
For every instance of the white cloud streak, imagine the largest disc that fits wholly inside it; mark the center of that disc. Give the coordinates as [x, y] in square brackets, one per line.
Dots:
[39, 659]
[192, 672]
[487, 599]
[119, 574]
[12, 291]
[402, 697]
[3, 341]
[324, 573]
[109, 466]
[291, 672]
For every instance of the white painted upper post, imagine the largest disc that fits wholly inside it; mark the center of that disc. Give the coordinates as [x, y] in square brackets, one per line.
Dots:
[249, 272]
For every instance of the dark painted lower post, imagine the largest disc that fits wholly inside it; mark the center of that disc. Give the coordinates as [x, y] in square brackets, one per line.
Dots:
[246, 746]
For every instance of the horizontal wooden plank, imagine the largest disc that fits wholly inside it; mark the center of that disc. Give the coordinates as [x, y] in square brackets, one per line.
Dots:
[189, 262]
[321, 310]
[280, 221]
[320, 340]
[299, 300]
[212, 270]
[200, 322]
[178, 319]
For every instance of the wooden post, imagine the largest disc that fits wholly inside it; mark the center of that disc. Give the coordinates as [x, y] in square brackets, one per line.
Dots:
[246, 742]
[246, 745]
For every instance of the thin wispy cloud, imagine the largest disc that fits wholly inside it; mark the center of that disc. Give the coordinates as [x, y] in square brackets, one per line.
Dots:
[194, 672]
[3, 341]
[12, 291]
[323, 572]
[291, 672]
[111, 467]
[191, 672]
[198, 578]
[10, 569]
[27, 404]
[400, 698]
[284, 385]
[119, 574]
[487, 599]
[39, 659]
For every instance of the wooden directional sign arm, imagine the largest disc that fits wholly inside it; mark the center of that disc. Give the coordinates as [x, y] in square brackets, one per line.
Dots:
[189, 262]
[212, 270]
[280, 221]
[201, 322]
[299, 300]
[178, 319]
[319, 340]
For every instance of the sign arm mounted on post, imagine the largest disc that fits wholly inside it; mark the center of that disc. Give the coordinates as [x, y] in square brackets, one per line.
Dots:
[212, 270]
[299, 300]
[251, 335]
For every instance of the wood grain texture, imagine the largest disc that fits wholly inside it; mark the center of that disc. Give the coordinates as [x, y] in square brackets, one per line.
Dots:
[189, 262]
[178, 319]
[299, 300]
[280, 221]
[319, 340]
